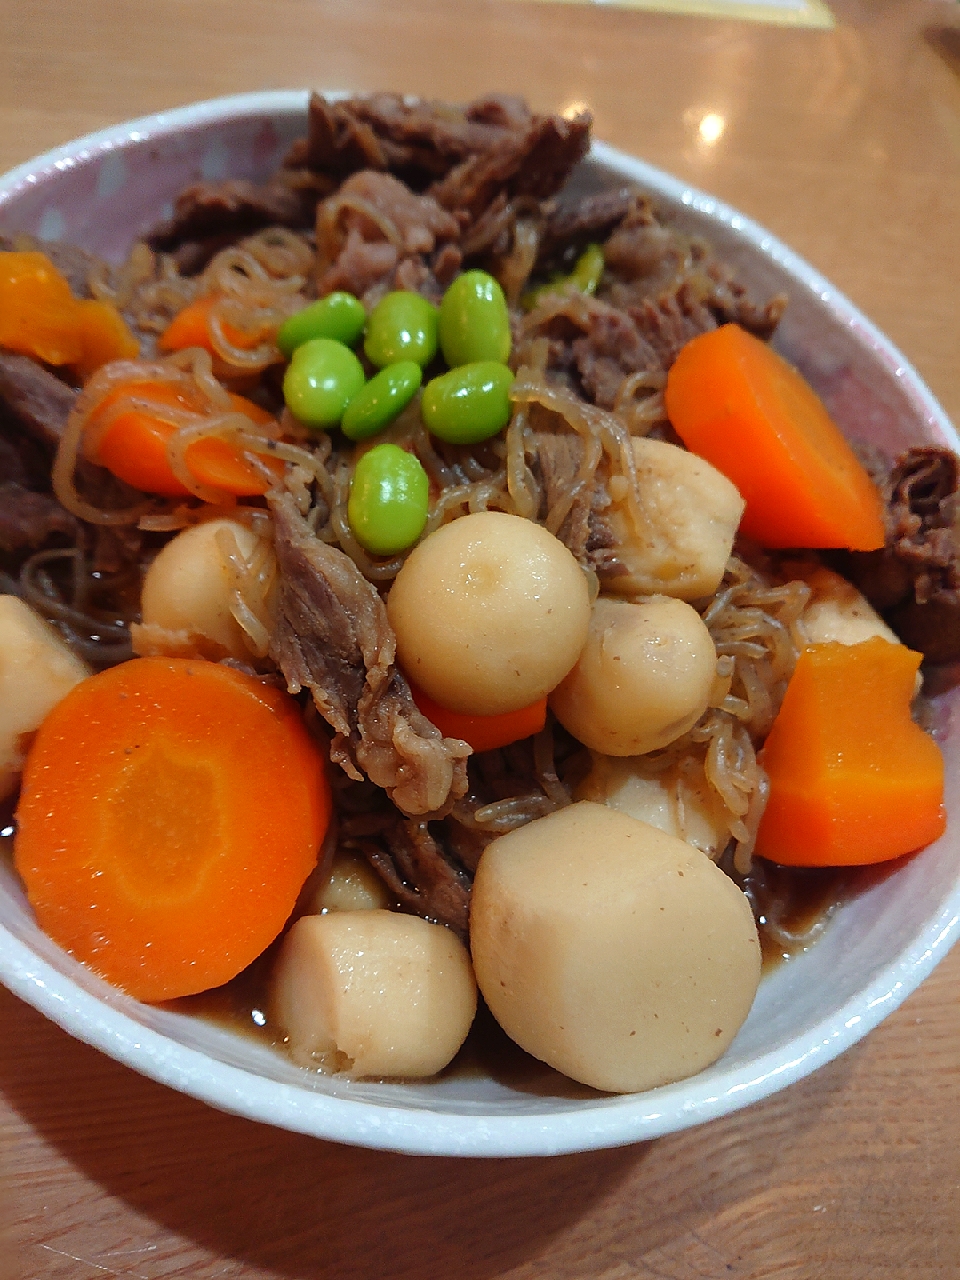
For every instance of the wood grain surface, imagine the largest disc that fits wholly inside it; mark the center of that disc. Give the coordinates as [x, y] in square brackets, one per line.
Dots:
[845, 143]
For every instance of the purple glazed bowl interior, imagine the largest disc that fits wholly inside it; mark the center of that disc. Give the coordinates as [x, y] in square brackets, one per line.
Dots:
[102, 193]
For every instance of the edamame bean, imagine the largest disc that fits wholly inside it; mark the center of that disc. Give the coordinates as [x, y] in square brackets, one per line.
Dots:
[339, 316]
[588, 269]
[468, 404]
[474, 323]
[389, 495]
[385, 396]
[402, 326]
[585, 278]
[320, 381]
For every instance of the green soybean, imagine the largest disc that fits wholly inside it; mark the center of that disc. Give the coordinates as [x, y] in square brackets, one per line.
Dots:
[585, 278]
[320, 381]
[388, 502]
[588, 269]
[402, 326]
[339, 316]
[474, 323]
[468, 404]
[385, 396]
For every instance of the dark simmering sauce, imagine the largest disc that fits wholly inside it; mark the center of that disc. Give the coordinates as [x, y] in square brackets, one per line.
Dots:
[792, 906]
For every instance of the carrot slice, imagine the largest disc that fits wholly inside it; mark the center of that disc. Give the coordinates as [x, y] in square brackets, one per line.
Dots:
[852, 778]
[134, 445]
[170, 813]
[39, 316]
[735, 402]
[191, 328]
[483, 733]
[104, 336]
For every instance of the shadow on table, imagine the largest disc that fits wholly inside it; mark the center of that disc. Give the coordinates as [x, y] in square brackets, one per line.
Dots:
[304, 1208]
[946, 42]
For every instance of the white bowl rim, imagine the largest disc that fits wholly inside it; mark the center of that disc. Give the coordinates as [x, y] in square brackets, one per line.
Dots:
[624, 1119]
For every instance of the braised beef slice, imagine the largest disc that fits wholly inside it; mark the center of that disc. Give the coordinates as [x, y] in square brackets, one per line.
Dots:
[333, 638]
[37, 399]
[34, 406]
[417, 140]
[13, 465]
[29, 520]
[569, 227]
[418, 220]
[657, 266]
[534, 164]
[417, 872]
[219, 212]
[914, 581]
[465, 151]
[612, 348]
[421, 234]
[602, 344]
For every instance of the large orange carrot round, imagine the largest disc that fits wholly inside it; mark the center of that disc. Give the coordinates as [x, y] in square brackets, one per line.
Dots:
[852, 778]
[170, 813]
[735, 402]
[134, 444]
[483, 733]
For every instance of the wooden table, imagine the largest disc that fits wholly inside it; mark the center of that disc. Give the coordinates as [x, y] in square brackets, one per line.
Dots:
[847, 145]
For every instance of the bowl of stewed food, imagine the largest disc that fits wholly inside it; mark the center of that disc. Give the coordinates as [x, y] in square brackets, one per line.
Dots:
[476, 628]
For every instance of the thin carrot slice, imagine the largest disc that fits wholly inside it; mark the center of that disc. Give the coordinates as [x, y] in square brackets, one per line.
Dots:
[170, 813]
[104, 336]
[852, 778]
[40, 317]
[35, 301]
[134, 444]
[191, 328]
[735, 402]
[483, 733]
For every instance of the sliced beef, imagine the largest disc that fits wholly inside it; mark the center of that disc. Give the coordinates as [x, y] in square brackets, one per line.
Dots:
[13, 466]
[569, 227]
[29, 520]
[599, 344]
[34, 406]
[418, 222]
[333, 638]
[464, 151]
[210, 215]
[337, 141]
[556, 458]
[729, 303]
[23, 460]
[38, 401]
[417, 872]
[534, 164]
[646, 255]
[674, 287]
[612, 348]
[417, 140]
[361, 267]
[376, 234]
[914, 581]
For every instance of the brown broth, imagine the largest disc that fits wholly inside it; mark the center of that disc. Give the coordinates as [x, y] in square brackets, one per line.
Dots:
[800, 900]
[803, 899]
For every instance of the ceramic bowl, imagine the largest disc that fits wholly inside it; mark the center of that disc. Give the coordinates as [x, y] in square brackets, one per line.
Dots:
[105, 190]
